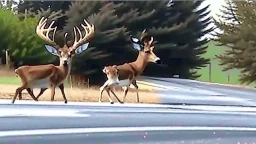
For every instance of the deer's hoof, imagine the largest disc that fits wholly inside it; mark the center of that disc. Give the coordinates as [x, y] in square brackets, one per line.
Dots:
[65, 102]
[111, 102]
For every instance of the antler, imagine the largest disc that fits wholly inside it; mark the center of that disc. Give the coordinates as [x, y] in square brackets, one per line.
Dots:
[144, 36]
[89, 32]
[151, 41]
[40, 31]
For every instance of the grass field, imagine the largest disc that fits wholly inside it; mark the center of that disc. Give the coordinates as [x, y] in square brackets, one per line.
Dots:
[217, 75]
[9, 80]
[8, 77]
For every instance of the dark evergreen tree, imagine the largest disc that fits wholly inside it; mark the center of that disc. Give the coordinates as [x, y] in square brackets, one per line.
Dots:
[168, 25]
[237, 24]
[105, 47]
[176, 29]
[54, 10]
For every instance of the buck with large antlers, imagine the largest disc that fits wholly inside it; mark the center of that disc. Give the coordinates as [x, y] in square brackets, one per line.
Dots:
[125, 74]
[51, 76]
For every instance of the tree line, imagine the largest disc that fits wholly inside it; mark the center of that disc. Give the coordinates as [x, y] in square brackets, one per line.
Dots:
[178, 30]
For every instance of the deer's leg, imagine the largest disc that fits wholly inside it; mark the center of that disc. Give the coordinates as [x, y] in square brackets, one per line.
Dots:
[18, 91]
[31, 94]
[109, 98]
[102, 88]
[101, 92]
[20, 96]
[115, 96]
[63, 93]
[134, 83]
[41, 92]
[125, 89]
[52, 92]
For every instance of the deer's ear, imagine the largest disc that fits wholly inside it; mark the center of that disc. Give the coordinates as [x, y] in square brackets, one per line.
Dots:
[136, 43]
[52, 50]
[104, 70]
[81, 48]
[115, 66]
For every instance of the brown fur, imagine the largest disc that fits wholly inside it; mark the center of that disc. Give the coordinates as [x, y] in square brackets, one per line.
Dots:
[50, 76]
[133, 69]
[112, 73]
[35, 72]
[30, 74]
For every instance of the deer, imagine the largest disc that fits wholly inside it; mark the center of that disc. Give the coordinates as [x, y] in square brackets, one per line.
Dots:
[125, 74]
[49, 76]
[112, 80]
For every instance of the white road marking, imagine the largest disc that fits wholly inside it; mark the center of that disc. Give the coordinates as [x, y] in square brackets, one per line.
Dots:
[187, 107]
[203, 97]
[229, 85]
[159, 86]
[5, 112]
[151, 111]
[30, 102]
[119, 129]
[131, 105]
[12, 112]
[215, 108]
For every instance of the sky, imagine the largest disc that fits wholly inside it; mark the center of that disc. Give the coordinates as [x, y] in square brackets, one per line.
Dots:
[215, 6]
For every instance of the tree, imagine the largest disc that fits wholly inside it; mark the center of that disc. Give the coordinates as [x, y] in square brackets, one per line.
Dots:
[20, 39]
[169, 26]
[7, 22]
[54, 10]
[177, 29]
[109, 39]
[237, 25]
[8, 4]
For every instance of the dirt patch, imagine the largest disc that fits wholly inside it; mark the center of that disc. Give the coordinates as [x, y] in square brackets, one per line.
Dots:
[8, 73]
[81, 95]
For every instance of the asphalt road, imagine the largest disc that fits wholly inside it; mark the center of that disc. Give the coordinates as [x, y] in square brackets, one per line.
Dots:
[51, 123]
[158, 137]
[193, 92]
[77, 124]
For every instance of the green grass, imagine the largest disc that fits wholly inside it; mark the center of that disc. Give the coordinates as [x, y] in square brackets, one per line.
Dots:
[217, 73]
[16, 81]
[10, 80]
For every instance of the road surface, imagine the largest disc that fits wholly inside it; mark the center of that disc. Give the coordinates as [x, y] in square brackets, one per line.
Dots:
[50, 123]
[180, 91]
